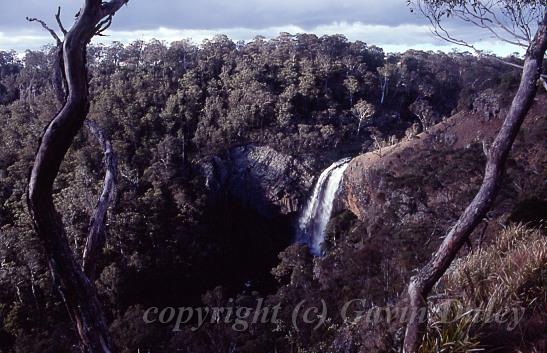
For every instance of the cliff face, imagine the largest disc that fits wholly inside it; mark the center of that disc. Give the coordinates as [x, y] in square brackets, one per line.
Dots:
[423, 183]
[270, 182]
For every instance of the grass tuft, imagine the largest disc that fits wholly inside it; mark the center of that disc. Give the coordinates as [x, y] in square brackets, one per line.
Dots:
[510, 273]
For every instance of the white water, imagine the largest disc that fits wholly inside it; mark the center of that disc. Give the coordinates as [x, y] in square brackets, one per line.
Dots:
[316, 214]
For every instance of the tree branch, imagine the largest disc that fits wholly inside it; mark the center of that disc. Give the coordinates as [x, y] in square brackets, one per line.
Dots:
[482, 15]
[96, 238]
[438, 30]
[59, 22]
[47, 28]
[59, 80]
[103, 26]
[542, 77]
[543, 82]
[504, 27]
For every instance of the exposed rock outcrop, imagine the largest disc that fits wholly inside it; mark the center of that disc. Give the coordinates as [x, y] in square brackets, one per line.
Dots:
[260, 177]
[423, 183]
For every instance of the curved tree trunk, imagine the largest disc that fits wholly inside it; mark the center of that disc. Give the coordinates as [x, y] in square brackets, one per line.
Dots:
[422, 283]
[96, 237]
[78, 290]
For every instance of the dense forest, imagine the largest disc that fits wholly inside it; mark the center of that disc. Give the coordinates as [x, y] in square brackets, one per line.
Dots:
[172, 239]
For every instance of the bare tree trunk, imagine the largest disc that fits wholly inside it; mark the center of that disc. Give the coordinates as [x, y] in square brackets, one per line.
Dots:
[77, 289]
[96, 237]
[384, 90]
[422, 283]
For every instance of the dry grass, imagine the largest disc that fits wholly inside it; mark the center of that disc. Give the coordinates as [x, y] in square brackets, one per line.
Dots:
[510, 273]
[456, 336]
[499, 274]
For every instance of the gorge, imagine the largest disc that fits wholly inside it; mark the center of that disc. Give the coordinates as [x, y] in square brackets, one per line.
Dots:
[232, 189]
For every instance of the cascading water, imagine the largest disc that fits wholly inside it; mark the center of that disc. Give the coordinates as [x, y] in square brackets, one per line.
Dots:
[316, 214]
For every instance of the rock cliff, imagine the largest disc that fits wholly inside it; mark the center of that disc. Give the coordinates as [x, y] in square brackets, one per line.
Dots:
[270, 182]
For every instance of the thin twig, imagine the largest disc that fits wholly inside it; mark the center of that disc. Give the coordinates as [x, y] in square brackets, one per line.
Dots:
[59, 22]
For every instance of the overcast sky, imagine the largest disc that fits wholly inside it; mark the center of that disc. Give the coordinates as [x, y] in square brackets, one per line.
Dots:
[385, 23]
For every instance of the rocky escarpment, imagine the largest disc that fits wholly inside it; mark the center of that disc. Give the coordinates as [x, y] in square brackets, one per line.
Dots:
[420, 186]
[261, 178]
[400, 201]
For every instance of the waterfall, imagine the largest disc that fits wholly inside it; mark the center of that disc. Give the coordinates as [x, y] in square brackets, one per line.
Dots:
[316, 214]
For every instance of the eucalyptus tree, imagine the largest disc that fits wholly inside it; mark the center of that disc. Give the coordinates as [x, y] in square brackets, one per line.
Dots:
[74, 280]
[363, 110]
[519, 22]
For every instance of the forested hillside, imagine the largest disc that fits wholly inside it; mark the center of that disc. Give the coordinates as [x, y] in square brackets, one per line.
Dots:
[172, 112]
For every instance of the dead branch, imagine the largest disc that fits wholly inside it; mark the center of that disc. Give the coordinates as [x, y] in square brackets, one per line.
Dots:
[59, 22]
[47, 28]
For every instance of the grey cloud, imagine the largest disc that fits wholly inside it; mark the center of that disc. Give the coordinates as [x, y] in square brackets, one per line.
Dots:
[211, 14]
[380, 22]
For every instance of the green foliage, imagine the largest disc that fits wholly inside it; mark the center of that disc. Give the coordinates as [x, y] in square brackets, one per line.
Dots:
[165, 108]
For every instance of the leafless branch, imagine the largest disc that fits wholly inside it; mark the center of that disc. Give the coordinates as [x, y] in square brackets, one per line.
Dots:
[510, 24]
[59, 22]
[47, 28]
